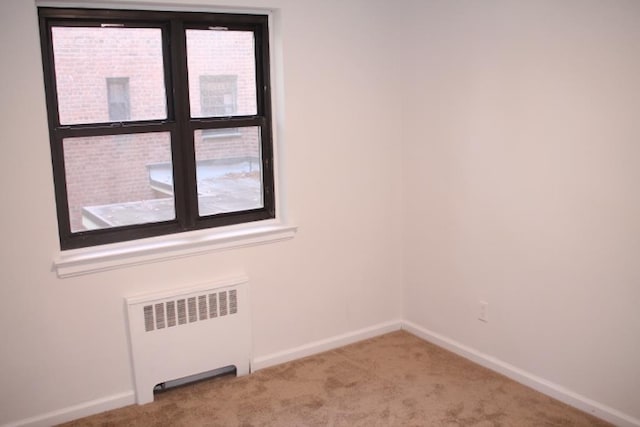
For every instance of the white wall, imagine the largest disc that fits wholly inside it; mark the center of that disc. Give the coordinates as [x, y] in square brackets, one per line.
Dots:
[521, 174]
[64, 340]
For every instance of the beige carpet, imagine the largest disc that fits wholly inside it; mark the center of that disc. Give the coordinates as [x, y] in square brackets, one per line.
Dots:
[392, 380]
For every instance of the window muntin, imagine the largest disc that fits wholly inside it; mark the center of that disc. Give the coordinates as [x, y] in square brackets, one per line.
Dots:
[175, 186]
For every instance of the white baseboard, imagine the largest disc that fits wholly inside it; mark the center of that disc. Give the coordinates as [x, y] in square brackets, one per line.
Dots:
[128, 398]
[551, 389]
[78, 411]
[540, 384]
[324, 345]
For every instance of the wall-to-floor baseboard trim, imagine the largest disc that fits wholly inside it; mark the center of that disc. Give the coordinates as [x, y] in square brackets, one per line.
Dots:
[546, 387]
[78, 411]
[554, 390]
[324, 345]
[128, 398]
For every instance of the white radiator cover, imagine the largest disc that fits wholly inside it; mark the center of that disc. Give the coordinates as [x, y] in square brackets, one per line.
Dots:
[188, 331]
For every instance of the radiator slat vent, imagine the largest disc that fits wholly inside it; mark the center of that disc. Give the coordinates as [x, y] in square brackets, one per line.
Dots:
[182, 311]
[213, 305]
[233, 301]
[223, 303]
[202, 307]
[148, 318]
[160, 316]
[171, 313]
[191, 303]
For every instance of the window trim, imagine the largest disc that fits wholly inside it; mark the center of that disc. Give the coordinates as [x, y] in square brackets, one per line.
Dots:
[96, 259]
[178, 123]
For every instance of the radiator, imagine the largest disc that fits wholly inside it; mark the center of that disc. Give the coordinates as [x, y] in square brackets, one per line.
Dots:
[188, 331]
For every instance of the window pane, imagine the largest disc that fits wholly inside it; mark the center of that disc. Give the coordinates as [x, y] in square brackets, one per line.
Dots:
[119, 180]
[222, 75]
[109, 74]
[228, 170]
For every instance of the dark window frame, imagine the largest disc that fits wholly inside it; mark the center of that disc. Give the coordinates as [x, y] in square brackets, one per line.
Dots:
[178, 123]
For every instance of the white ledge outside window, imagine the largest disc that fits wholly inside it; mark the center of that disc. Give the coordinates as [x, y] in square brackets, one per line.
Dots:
[83, 261]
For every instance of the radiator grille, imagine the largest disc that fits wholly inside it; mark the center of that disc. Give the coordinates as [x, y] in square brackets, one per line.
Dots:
[193, 309]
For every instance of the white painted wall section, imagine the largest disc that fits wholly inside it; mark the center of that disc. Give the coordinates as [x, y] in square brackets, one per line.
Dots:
[522, 165]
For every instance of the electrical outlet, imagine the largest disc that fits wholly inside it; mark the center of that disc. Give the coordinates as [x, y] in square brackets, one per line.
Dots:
[483, 315]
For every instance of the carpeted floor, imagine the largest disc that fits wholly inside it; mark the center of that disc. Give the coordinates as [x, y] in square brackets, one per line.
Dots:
[392, 380]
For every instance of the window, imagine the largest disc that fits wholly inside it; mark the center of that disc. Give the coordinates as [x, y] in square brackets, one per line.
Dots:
[118, 97]
[180, 139]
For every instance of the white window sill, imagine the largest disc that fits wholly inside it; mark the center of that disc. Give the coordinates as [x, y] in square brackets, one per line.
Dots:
[78, 262]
